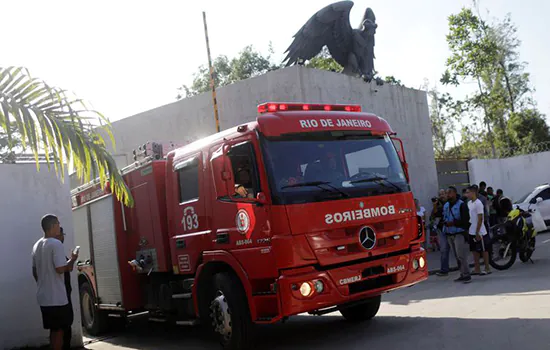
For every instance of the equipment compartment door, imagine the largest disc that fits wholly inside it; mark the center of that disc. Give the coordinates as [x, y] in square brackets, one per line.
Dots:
[105, 251]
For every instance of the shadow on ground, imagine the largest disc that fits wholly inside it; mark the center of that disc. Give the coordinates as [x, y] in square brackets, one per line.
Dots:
[332, 332]
[518, 279]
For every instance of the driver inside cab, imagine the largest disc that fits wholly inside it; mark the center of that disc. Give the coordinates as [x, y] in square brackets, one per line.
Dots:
[243, 184]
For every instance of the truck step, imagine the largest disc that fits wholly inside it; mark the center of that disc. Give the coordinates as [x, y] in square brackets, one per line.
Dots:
[182, 296]
[188, 322]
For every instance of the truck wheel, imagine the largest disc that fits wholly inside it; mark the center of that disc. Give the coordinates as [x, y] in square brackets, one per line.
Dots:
[229, 312]
[362, 312]
[93, 320]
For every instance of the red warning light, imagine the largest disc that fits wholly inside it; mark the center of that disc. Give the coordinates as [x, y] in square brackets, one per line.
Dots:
[354, 108]
[283, 107]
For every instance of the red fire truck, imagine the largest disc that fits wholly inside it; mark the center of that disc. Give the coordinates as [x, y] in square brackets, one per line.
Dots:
[307, 209]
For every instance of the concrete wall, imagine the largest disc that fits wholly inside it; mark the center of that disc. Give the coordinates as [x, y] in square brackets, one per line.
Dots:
[25, 196]
[189, 119]
[516, 175]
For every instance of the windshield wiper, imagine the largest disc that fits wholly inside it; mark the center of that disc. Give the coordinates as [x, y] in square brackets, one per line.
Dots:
[379, 179]
[318, 184]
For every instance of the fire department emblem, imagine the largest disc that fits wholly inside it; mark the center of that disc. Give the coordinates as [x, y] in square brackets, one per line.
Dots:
[242, 221]
[367, 237]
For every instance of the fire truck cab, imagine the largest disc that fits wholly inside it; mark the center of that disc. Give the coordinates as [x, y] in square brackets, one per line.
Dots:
[307, 209]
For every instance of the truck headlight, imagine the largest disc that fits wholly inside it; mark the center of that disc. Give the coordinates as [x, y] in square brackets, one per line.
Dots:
[306, 289]
[319, 286]
[422, 262]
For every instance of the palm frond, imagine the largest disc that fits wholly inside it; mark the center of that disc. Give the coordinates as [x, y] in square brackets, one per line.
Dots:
[51, 121]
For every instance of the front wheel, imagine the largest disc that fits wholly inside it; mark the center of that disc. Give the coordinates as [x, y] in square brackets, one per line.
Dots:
[503, 252]
[94, 320]
[526, 255]
[362, 312]
[229, 312]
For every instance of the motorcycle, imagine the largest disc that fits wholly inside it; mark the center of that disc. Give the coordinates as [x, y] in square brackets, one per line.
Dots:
[516, 236]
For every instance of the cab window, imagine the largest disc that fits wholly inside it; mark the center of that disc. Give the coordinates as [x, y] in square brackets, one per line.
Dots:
[188, 179]
[245, 170]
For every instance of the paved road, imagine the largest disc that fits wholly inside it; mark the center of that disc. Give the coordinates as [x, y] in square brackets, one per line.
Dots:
[506, 310]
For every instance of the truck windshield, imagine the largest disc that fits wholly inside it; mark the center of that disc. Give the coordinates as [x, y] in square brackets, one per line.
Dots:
[316, 167]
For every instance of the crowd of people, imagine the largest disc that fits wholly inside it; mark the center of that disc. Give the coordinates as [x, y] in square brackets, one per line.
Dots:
[461, 223]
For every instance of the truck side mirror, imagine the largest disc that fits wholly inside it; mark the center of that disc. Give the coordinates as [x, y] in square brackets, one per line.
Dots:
[222, 173]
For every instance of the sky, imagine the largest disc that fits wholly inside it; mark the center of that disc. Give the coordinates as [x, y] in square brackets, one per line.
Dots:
[125, 57]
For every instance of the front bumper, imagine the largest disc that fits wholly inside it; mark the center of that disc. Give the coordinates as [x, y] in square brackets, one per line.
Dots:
[352, 282]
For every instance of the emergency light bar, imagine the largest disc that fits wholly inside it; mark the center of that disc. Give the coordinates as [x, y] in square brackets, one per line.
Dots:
[278, 107]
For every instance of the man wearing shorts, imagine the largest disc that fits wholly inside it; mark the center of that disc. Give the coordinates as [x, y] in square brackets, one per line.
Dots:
[479, 239]
[48, 267]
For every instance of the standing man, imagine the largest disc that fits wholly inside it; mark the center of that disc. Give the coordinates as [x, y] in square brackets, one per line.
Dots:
[437, 221]
[479, 239]
[67, 332]
[496, 204]
[482, 189]
[456, 222]
[492, 209]
[48, 267]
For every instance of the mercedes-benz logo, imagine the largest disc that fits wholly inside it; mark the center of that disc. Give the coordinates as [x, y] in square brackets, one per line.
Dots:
[367, 237]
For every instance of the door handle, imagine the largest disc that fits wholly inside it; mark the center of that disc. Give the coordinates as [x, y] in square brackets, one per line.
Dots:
[222, 238]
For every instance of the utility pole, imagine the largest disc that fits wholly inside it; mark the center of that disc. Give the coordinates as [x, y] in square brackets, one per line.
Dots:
[211, 68]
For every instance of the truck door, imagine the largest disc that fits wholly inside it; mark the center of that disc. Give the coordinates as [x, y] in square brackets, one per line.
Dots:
[240, 220]
[189, 219]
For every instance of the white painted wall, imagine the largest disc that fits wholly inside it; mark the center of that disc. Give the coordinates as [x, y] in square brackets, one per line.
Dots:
[25, 196]
[191, 118]
[516, 175]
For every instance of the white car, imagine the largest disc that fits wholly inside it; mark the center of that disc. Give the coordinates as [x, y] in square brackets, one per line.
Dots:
[530, 199]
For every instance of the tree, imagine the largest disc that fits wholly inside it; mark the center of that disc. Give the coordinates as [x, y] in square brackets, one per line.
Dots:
[527, 128]
[52, 122]
[445, 112]
[324, 61]
[487, 54]
[249, 63]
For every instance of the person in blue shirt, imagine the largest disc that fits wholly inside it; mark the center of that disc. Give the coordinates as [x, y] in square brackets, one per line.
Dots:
[456, 220]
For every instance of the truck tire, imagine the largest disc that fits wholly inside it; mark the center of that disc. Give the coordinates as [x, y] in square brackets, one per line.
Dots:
[229, 312]
[362, 312]
[94, 321]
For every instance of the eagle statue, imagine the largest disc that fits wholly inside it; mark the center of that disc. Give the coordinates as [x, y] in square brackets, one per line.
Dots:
[352, 48]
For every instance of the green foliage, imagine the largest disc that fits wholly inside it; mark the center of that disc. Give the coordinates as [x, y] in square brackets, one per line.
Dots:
[527, 127]
[248, 64]
[390, 79]
[500, 110]
[324, 61]
[52, 122]
[8, 146]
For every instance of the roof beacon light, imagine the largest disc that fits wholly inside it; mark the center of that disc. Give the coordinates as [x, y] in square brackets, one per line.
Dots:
[283, 107]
